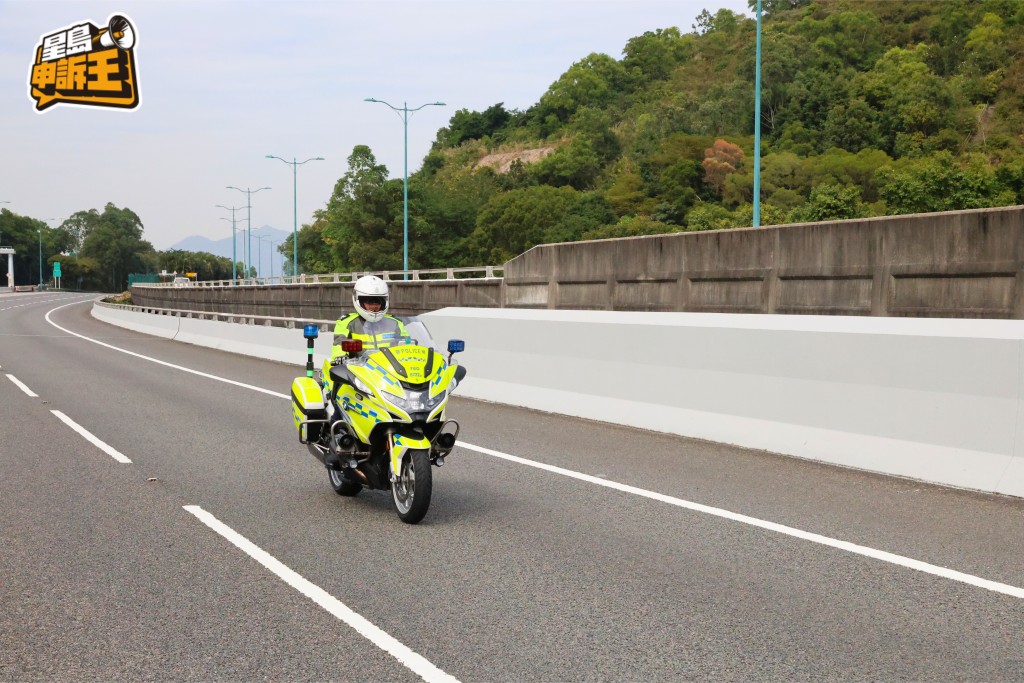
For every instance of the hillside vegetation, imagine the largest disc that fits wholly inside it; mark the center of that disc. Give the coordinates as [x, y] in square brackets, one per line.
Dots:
[868, 108]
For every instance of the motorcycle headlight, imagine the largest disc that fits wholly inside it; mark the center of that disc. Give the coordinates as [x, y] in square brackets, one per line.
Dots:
[361, 386]
[415, 401]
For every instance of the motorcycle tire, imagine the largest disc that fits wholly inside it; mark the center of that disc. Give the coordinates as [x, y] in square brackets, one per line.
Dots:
[342, 484]
[412, 489]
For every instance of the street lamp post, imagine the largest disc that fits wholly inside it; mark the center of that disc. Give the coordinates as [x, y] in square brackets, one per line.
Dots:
[295, 206]
[272, 243]
[403, 114]
[757, 123]
[259, 251]
[41, 251]
[234, 259]
[248, 200]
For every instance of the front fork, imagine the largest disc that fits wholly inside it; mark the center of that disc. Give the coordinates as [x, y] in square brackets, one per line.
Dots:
[439, 447]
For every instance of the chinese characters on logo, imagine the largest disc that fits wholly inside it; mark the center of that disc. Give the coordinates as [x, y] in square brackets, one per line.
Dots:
[86, 65]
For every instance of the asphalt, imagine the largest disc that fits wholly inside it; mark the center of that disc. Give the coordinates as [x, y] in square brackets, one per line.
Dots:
[516, 573]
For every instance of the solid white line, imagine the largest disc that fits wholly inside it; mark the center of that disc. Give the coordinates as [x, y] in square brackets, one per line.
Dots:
[670, 500]
[112, 452]
[21, 386]
[770, 526]
[413, 661]
[161, 362]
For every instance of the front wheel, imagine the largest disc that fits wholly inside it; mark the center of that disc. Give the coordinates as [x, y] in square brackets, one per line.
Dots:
[344, 484]
[412, 488]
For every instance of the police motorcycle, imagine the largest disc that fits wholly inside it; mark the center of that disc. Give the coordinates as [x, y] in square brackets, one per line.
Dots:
[376, 418]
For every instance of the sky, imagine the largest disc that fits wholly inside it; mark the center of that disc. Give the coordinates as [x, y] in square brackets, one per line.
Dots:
[222, 83]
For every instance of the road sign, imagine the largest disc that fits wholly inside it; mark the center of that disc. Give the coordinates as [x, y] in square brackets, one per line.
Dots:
[56, 268]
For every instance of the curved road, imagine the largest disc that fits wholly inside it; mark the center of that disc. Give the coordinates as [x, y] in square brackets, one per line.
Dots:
[159, 524]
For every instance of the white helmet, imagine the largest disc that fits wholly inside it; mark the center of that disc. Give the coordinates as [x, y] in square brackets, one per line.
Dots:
[373, 288]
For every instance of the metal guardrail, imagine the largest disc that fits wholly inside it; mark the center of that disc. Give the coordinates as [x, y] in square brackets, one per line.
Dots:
[262, 320]
[469, 273]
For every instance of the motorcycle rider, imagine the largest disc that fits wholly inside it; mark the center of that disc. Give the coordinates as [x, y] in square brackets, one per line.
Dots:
[370, 323]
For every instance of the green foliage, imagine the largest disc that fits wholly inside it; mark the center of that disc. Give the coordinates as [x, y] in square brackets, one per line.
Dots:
[867, 108]
[630, 226]
[940, 183]
[706, 216]
[829, 202]
[591, 82]
[205, 265]
[471, 125]
[512, 222]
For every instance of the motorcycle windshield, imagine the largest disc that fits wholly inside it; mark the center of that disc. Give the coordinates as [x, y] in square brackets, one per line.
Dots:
[384, 335]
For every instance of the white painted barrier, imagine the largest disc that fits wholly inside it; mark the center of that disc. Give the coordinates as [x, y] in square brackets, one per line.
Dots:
[259, 341]
[933, 399]
[938, 400]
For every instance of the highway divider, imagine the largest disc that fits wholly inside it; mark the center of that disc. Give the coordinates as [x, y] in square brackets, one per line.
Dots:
[939, 400]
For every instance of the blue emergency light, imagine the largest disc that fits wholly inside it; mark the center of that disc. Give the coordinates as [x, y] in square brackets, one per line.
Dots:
[456, 346]
[311, 331]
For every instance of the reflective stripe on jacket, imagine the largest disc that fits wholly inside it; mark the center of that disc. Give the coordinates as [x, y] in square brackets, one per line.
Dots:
[374, 336]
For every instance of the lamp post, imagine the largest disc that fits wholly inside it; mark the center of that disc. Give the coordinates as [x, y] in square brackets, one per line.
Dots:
[41, 251]
[295, 206]
[259, 250]
[403, 114]
[272, 243]
[248, 200]
[757, 123]
[234, 259]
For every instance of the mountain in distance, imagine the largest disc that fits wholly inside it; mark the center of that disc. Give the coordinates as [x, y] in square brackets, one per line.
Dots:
[261, 250]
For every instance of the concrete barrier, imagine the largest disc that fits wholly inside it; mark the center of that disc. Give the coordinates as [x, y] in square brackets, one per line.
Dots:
[938, 400]
[933, 399]
[260, 341]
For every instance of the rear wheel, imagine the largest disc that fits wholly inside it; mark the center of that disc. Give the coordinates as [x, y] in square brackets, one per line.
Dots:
[344, 484]
[413, 487]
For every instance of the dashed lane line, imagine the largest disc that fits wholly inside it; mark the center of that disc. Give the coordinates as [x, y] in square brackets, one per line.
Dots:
[853, 548]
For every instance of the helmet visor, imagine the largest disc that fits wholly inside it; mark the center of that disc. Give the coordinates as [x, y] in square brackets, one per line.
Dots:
[365, 301]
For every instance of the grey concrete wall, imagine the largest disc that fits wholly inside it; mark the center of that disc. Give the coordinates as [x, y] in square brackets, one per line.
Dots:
[954, 264]
[323, 301]
[965, 264]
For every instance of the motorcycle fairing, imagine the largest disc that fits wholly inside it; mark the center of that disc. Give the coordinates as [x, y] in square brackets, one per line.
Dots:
[399, 444]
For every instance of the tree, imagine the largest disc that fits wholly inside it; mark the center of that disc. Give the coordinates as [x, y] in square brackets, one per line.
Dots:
[830, 202]
[78, 226]
[721, 159]
[362, 224]
[940, 183]
[471, 125]
[594, 81]
[115, 244]
[512, 222]
[655, 54]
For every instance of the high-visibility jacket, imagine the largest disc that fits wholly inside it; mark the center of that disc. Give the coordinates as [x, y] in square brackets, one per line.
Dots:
[378, 335]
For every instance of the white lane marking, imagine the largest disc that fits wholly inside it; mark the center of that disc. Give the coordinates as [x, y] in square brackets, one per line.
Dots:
[161, 362]
[109, 450]
[770, 526]
[865, 551]
[21, 386]
[413, 661]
